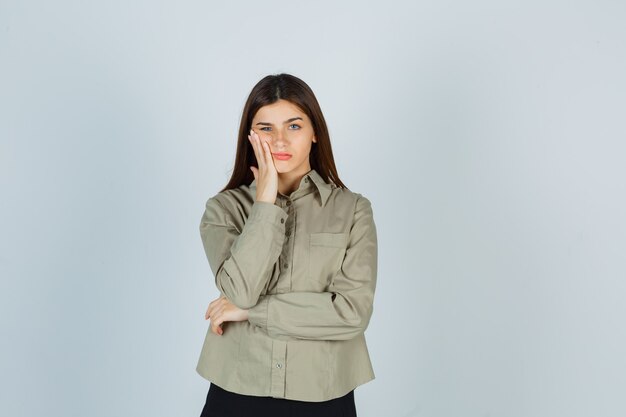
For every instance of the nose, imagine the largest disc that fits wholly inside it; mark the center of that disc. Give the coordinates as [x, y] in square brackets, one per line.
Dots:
[278, 138]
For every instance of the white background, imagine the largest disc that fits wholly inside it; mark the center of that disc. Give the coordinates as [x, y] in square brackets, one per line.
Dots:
[489, 136]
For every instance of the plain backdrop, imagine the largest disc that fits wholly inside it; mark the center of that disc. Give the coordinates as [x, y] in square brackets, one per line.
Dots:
[489, 136]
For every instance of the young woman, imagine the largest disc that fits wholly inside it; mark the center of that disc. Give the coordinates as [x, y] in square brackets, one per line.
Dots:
[294, 256]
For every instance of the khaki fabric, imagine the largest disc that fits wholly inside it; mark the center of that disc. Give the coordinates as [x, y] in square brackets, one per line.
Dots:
[305, 267]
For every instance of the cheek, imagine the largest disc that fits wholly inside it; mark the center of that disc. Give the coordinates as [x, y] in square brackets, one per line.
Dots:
[303, 149]
[300, 144]
[301, 140]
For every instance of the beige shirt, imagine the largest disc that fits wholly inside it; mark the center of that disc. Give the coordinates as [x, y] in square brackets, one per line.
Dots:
[305, 267]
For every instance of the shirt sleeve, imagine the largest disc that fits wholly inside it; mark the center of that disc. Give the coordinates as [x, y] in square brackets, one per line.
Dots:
[242, 261]
[340, 314]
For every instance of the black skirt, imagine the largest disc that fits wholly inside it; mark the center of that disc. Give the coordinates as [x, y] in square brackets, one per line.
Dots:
[222, 403]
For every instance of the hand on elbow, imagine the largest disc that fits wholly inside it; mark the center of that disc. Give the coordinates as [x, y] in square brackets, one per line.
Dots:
[222, 310]
[243, 302]
[241, 295]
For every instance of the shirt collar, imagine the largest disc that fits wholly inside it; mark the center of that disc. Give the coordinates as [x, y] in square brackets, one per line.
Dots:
[324, 188]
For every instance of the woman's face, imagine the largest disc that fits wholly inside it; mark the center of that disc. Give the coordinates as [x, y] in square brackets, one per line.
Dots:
[288, 131]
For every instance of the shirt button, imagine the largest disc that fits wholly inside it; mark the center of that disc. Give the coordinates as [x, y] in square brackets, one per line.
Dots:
[284, 265]
[279, 365]
[288, 233]
[288, 202]
[282, 220]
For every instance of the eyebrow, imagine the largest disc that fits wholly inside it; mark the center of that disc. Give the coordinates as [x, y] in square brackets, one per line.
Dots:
[286, 121]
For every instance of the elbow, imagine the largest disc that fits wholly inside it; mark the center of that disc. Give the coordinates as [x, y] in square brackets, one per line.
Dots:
[362, 325]
[244, 302]
[358, 324]
[241, 299]
[355, 316]
[364, 321]
[240, 295]
[353, 330]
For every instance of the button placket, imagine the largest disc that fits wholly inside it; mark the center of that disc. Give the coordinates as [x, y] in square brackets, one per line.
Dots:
[284, 281]
[279, 355]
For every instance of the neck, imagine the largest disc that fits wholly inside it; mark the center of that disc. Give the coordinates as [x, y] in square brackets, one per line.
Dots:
[288, 181]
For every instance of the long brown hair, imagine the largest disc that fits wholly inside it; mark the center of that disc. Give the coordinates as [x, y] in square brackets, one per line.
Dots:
[268, 91]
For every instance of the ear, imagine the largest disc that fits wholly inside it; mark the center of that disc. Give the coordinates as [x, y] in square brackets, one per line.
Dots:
[314, 139]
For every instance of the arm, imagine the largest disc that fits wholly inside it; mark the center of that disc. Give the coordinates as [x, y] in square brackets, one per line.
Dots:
[340, 314]
[242, 262]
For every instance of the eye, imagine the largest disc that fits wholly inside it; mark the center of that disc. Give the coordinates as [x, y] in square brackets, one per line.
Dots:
[293, 124]
[266, 127]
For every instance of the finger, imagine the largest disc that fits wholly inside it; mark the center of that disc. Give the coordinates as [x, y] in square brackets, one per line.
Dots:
[216, 328]
[214, 306]
[213, 323]
[209, 310]
[268, 154]
[217, 300]
[251, 140]
[255, 149]
[262, 152]
[218, 314]
[256, 143]
[212, 303]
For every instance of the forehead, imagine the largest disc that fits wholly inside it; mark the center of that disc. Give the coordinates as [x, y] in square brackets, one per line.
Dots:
[278, 112]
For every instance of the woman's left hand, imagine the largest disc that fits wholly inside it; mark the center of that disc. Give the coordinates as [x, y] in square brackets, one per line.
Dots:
[221, 310]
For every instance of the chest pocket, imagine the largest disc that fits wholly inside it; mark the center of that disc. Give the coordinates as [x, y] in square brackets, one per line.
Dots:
[326, 252]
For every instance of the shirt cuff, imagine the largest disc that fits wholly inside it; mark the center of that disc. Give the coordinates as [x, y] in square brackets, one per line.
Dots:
[257, 315]
[262, 210]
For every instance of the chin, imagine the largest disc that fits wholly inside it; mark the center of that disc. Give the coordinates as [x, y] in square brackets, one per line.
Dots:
[282, 167]
[283, 170]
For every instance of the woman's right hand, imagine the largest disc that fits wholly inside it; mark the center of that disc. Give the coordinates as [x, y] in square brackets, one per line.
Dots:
[266, 175]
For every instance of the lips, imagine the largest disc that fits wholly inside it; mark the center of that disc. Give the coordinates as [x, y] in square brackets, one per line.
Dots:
[282, 156]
